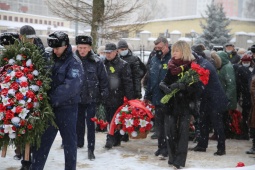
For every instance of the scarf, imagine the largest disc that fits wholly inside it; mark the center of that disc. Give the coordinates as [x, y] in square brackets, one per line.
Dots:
[178, 66]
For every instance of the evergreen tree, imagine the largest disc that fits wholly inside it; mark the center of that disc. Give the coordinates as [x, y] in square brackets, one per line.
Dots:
[215, 30]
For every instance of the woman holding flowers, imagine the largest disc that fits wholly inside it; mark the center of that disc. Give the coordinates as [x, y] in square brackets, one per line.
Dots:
[180, 85]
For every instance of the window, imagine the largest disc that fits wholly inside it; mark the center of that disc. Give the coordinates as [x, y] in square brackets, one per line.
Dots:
[45, 22]
[16, 19]
[49, 22]
[62, 24]
[5, 17]
[40, 21]
[10, 18]
[58, 24]
[21, 19]
[31, 20]
[36, 21]
[26, 19]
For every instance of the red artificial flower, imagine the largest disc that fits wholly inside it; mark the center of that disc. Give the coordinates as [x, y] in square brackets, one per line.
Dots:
[6, 59]
[23, 122]
[30, 94]
[9, 115]
[136, 122]
[24, 63]
[19, 109]
[19, 74]
[30, 76]
[14, 86]
[7, 79]
[2, 108]
[29, 127]
[24, 84]
[40, 97]
[130, 129]
[14, 128]
[103, 125]
[25, 70]
[35, 99]
[30, 105]
[148, 126]
[19, 96]
[39, 83]
[94, 119]
[4, 91]
[11, 101]
[142, 129]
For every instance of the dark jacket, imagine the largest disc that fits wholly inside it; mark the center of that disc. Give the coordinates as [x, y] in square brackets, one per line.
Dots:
[67, 74]
[137, 72]
[157, 69]
[233, 57]
[213, 98]
[95, 85]
[120, 82]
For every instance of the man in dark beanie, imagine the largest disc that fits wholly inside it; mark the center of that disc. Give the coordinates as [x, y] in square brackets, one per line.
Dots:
[67, 77]
[120, 85]
[136, 70]
[94, 90]
[27, 33]
[233, 57]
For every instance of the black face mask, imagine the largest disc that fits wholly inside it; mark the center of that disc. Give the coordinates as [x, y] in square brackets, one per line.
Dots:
[158, 53]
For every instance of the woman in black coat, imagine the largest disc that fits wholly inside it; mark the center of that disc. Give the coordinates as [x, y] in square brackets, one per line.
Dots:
[178, 118]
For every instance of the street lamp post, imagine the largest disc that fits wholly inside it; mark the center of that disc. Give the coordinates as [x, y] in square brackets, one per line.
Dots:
[192, 34]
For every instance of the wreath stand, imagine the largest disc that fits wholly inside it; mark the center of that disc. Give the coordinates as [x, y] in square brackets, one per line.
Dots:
[27, 151]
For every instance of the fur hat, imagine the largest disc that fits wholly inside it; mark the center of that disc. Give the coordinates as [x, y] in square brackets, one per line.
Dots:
[217, 59]
[58, 39]
[83, 39]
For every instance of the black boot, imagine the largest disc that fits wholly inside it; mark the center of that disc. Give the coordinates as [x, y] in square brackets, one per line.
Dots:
[125, 137]
[91, 155]
[252, 150]
[25, 165]
[17, 155]
[109, 141]
[117, 138]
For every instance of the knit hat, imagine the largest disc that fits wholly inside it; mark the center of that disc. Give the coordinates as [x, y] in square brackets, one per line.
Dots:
[83, 39]
[217, 59]
[110, 47]
[122, 44]
[246, 57]
[28, 31]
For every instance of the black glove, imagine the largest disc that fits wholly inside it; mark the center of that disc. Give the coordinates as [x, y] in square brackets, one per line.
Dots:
[164, 87]
[180, 86]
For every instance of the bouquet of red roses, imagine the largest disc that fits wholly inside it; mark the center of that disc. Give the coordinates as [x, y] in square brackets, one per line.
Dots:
[194, 74]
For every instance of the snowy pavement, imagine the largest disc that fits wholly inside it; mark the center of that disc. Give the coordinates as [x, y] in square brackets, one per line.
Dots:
[138, 154]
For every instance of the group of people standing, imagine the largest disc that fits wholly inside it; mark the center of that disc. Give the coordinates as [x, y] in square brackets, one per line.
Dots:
[81, 80]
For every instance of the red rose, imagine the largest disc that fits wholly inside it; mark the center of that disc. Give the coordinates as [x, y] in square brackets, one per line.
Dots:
[14, 86]
[24, 84]
[30, 76]
[7, 79]
[14, 128]
[11, 101]
[4, 92]
[19, 96]
[35, 99]
[25, 70]
[142, 129]
[29, 127]
[30, 105]
[9, 114]
[2, 108]
[23, 122]
[136, 122]
[19, 109]
[30, 94]
[19, 74]
[38, 82]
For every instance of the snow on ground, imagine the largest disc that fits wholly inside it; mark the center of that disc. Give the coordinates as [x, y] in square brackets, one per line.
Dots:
[138, 154]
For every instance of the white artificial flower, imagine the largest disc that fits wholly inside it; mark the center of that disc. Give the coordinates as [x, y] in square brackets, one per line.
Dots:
[22, 103]
[29, 100]
[12, 135]
[29, 62]
[15, 120]
[122, 132]
[11, 92]
[35, 73]
[5, 85]
[23, 90]
[5, 100]
[18, 57]
[11, 61]
[13, 109]
[34, 87]
[36, 104]
[151, 123]
[117, 120]
[134, 134]
[12, 74]
[143, 123]
[129, 122]
[23, 113]
[23, 78]
[1, 115]
[125, 109]
[8, 129]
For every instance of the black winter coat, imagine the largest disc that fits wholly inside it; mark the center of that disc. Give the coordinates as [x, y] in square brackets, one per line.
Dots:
[95, 86]
[137, 72]
[243, 80]
[120, 82]
[67, 78]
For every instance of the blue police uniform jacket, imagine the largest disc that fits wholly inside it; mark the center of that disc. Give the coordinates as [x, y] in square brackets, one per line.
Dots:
[67, 78]
[157, 71]
[95, 85]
